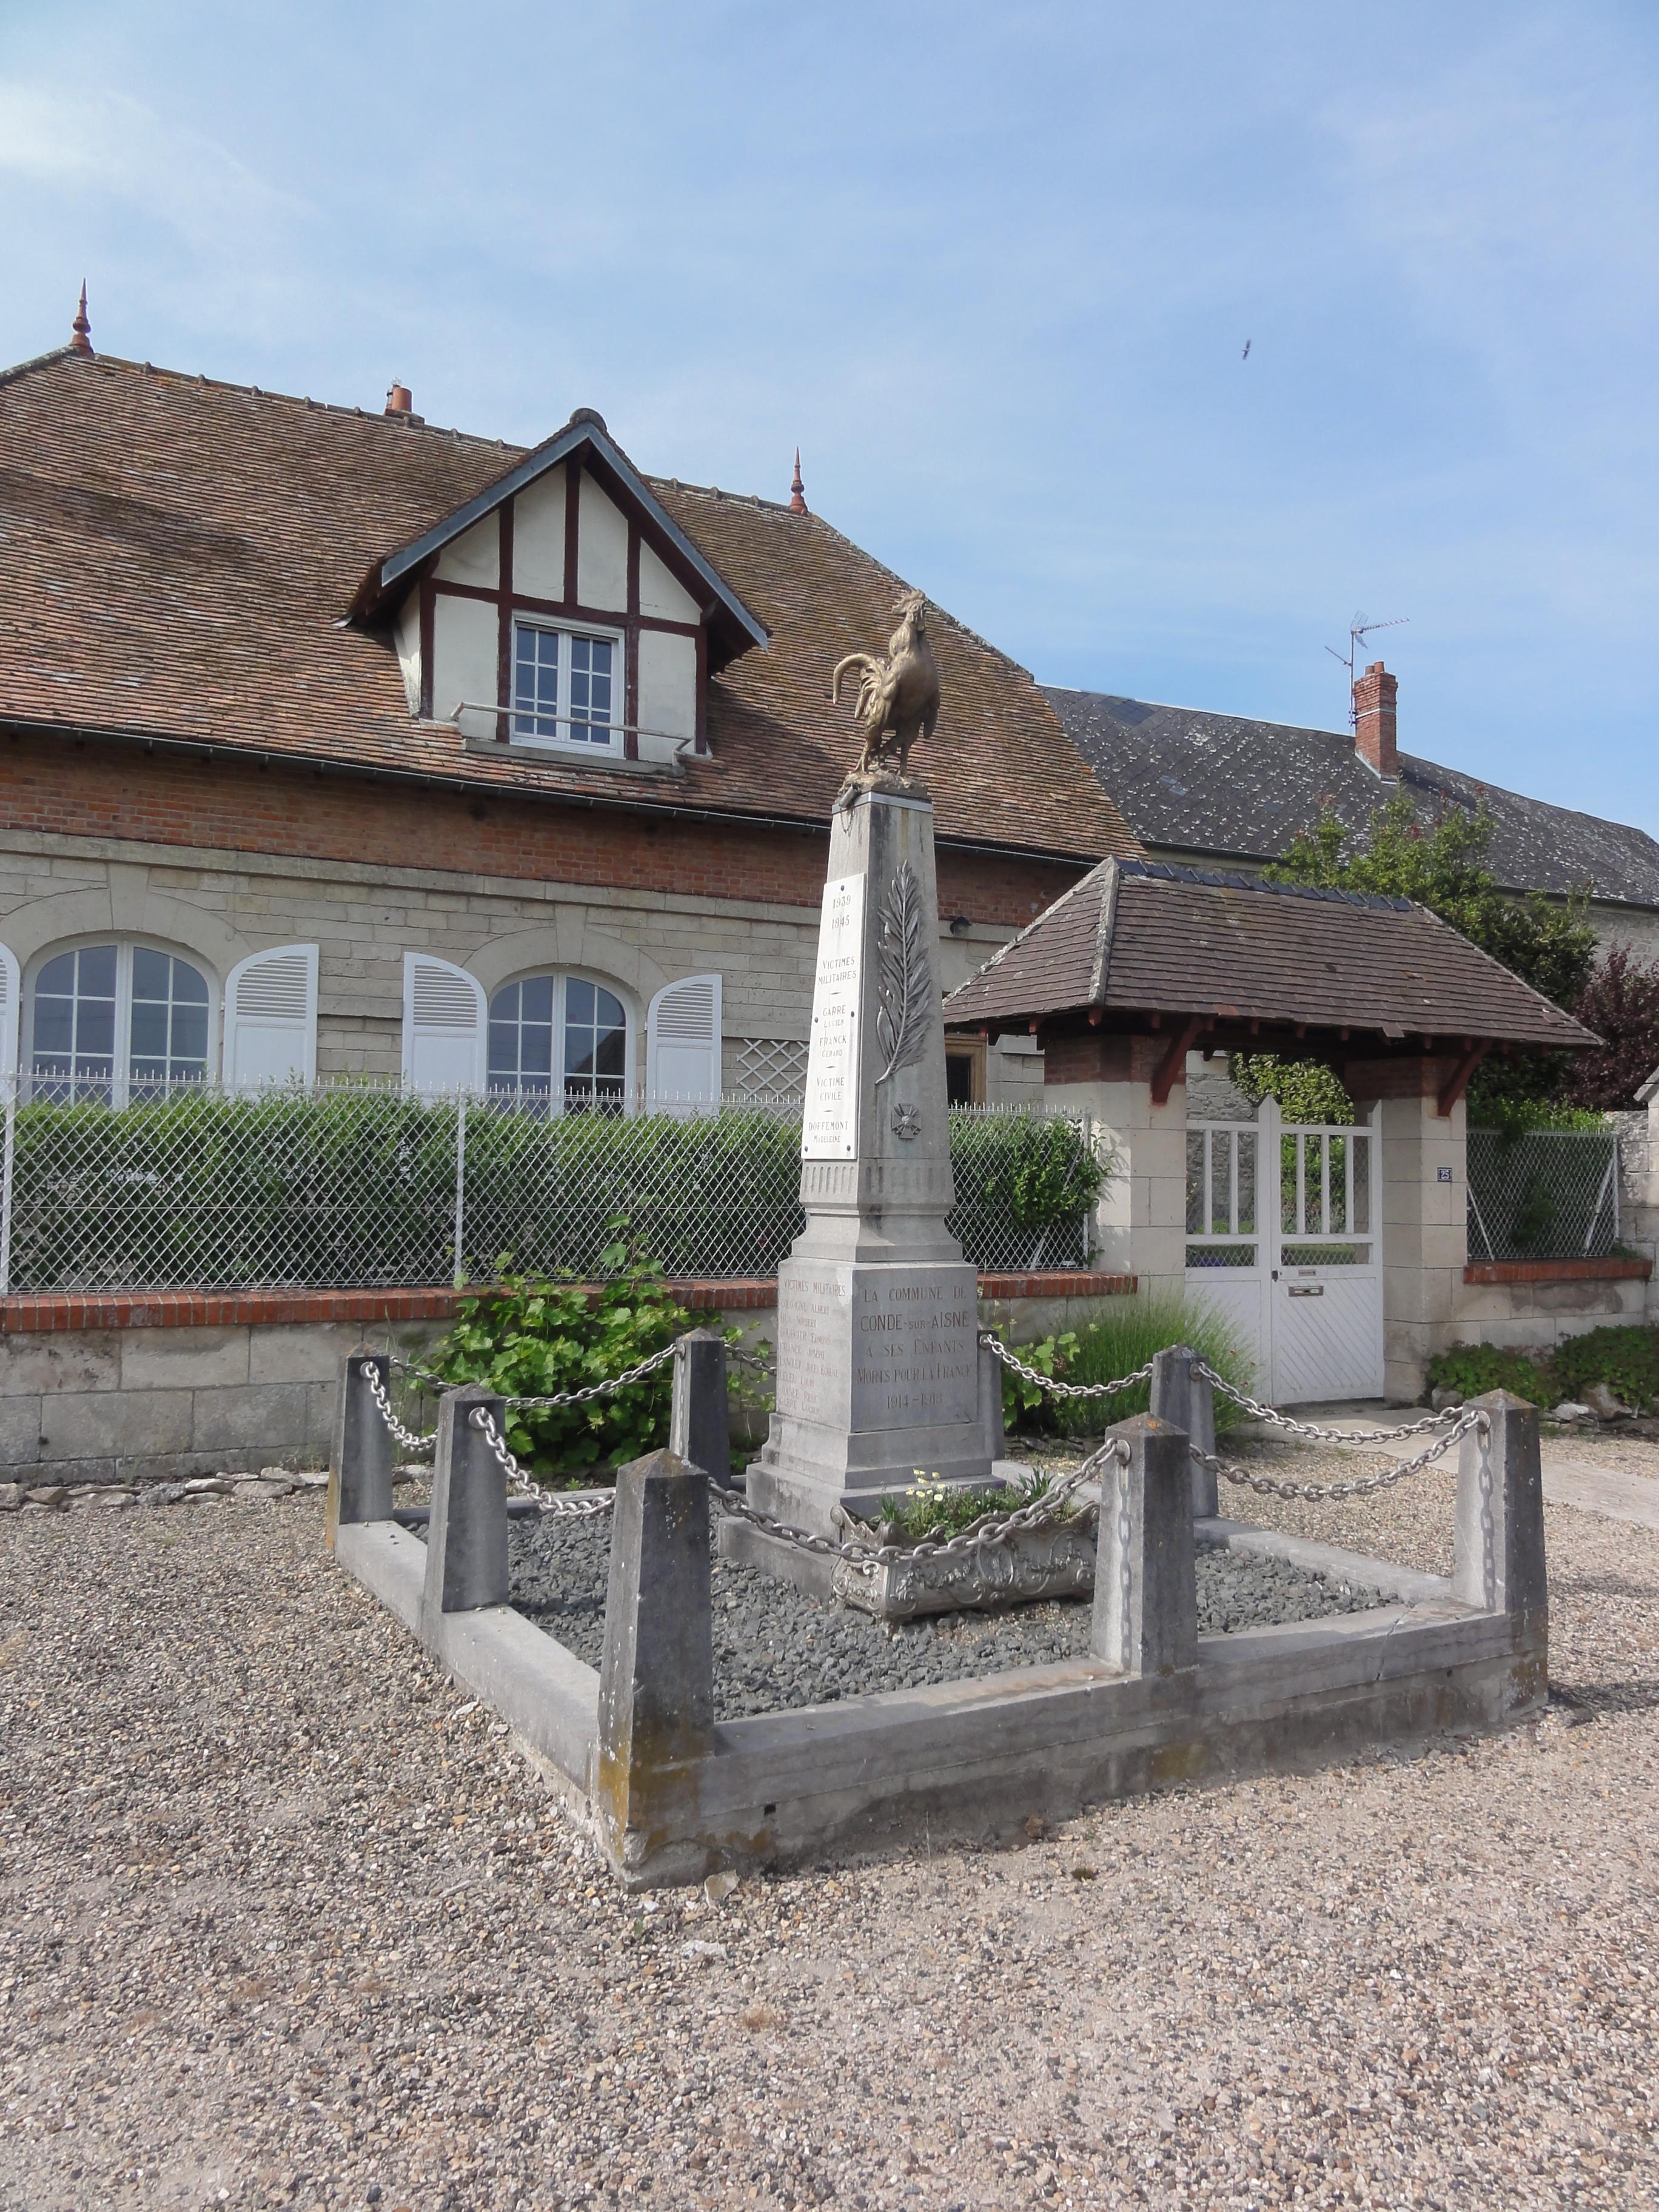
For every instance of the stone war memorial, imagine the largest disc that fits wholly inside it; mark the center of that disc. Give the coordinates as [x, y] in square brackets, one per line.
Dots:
[717, 1672]
[879, 1354]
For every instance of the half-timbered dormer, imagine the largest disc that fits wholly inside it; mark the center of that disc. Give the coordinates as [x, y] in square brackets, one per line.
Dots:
[561, 612]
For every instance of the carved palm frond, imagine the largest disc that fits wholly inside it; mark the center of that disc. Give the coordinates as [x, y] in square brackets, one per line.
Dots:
[904, 983]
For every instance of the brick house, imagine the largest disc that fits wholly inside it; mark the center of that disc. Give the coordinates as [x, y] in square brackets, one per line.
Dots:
[333, 743]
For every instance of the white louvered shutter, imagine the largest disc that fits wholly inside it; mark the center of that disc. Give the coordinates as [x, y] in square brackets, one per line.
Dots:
[683, 1045]
[445, 1019]
[11, 1001]
[271, 1018]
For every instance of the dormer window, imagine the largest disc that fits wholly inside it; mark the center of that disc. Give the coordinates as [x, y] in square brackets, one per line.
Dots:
[566, 686]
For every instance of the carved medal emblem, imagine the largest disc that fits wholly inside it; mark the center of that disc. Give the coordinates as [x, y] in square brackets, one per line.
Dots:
[907, 1121]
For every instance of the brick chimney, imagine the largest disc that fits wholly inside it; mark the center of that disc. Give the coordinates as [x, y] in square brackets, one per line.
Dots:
[1374, 720]
[399, 400]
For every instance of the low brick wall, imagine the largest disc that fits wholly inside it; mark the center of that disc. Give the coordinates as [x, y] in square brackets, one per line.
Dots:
[155, 1389]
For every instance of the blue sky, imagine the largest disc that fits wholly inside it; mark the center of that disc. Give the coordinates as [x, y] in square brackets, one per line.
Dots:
[994, 270]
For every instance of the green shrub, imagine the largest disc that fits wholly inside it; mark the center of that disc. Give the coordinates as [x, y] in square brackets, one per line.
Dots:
[531, 1338]
[1126, 1338]
[929, 1511]
[1519, 1116]
[1026, 1172]
[1626, 1360]
[1471, 1370]
[356, 1185]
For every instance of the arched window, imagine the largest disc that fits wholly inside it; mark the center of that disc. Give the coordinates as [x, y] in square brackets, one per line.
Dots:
[114, 1022]
[559, 1037]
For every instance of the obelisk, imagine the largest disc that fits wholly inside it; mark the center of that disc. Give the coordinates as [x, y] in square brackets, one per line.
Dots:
[878, 1314]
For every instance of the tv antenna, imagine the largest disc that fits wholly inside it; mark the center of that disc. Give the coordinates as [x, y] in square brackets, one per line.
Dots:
[1358, 630]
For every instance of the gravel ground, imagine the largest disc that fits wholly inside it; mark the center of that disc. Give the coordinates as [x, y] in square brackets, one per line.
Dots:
[287, 1924]
[776, 1648]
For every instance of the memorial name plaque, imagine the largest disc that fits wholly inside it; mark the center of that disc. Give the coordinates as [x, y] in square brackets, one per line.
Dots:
[830, 1119]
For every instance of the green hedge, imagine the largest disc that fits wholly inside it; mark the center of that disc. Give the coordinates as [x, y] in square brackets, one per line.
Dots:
[356, 1186]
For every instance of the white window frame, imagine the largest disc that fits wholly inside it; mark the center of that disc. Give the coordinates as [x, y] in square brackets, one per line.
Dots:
[121, 1068]
[560, 978]
[582, 748]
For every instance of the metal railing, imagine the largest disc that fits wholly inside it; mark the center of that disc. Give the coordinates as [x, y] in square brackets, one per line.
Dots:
[1547, 1194]
[353, 1185]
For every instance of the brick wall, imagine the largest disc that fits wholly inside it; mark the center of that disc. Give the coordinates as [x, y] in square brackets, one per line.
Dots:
[79, 789]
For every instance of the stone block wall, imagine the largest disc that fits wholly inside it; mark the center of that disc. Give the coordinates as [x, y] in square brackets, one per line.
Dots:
[142, 1405]
[645, 930]
[1532, 1306]
[136, 1390]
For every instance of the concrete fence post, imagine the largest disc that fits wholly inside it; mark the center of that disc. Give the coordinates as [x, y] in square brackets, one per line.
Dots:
[1145, 1617]
[361, 1465]
[699, 1424]
[1498, 1556]
[657, 1671]
[990, 1403]
[1185, 1401]
[466, 1536]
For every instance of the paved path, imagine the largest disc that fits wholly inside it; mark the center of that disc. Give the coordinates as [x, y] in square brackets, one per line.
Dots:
[1592, 1487]
[1607, 1490]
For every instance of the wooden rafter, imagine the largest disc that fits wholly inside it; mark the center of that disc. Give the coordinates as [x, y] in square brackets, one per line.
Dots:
[1175, 1058]
[1458, 1082]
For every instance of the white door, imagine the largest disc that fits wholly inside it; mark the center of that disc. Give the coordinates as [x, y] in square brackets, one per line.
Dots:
[1284, 1239]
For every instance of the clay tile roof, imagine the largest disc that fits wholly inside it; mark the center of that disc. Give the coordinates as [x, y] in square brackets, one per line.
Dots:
[177, 556]
[1136, 936]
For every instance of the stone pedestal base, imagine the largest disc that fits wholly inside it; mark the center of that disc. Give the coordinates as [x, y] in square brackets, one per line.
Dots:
[877, 1375]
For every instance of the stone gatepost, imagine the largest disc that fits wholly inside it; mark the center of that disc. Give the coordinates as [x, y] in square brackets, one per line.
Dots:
[1187, 1401]
[363, 1460]
[657, 1671]
[1145, 1615]
[1498, 1557]
[466, 1536]
[700, 1423]
[878, 1312]
[1426, 1241]
[1139, 1226]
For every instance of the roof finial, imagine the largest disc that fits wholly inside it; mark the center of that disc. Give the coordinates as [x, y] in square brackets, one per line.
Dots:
[797, 489]
[81, 342]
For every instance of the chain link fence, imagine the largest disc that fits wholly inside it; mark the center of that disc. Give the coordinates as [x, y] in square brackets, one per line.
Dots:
[350, 1186]
[1546, 1195]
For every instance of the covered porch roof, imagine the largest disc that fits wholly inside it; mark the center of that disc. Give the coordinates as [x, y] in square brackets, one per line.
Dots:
[1228, 962]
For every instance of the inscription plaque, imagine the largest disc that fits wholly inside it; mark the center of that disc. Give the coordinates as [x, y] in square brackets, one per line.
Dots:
[830, 1118]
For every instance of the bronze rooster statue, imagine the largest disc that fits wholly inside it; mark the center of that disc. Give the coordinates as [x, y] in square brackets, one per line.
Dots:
[898, 697]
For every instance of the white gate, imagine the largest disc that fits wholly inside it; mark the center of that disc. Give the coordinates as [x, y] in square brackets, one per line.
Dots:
[1285, 1239]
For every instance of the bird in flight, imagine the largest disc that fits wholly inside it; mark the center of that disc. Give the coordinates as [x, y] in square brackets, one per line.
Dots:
[1246, 354]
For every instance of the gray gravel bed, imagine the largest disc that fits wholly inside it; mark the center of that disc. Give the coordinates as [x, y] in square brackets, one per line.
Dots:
[775, 1648]
[284, 1922]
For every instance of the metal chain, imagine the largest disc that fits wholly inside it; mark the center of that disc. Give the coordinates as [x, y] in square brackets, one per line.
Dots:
[416, 1374]
[601, 1389]
[377, 1390]
[1053, 1385]
[994, 1530]
[1362, 1486]
[1307, 1428]
[569, 1509]
[750, 1360]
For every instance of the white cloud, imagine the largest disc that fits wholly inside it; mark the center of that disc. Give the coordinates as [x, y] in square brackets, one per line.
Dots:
[104, 144]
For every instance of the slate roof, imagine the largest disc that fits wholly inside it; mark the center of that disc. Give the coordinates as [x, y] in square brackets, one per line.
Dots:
[177, 554]
[1197, 782]
[1136, 936]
